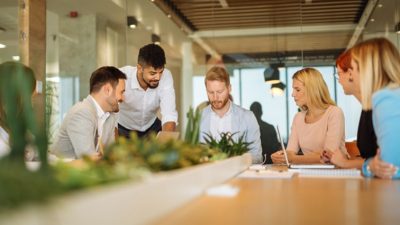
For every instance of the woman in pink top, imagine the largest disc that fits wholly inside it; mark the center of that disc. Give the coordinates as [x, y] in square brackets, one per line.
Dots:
[318, 126]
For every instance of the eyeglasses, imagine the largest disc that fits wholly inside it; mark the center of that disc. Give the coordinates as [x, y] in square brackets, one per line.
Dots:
[336, 76]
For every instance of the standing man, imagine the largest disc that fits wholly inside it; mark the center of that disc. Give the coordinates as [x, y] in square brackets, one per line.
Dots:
[149, 88]
[90, 124]
[224, 116]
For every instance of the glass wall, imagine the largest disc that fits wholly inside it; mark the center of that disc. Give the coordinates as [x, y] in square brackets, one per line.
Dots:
[9, 31]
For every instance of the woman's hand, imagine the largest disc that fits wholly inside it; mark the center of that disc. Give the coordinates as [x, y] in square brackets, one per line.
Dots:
[279, 156]
[339, 159]
[326, 156]
[380, 168]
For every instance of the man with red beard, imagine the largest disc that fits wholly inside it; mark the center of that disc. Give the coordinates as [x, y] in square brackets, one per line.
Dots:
[149, 88]
[223, 116]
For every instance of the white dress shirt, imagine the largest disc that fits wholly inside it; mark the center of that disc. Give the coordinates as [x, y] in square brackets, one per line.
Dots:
[222, 124]
[102, 117]
[139, 109]
[4, 144]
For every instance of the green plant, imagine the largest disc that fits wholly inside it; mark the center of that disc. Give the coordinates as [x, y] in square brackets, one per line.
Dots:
[193, 126]
[227, 143]
[159, 156]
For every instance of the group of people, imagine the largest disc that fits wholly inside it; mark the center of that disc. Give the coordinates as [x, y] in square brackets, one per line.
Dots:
[129, 99]
[370, 71]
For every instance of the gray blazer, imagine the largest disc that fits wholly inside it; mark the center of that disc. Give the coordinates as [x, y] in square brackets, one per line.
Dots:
[243, 122]
[78, 132]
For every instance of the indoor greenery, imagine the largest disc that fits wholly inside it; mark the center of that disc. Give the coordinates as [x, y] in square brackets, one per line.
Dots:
[228, 144]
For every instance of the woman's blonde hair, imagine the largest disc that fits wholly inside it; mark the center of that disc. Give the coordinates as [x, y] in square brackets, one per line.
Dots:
[317, 91]
[378, 63]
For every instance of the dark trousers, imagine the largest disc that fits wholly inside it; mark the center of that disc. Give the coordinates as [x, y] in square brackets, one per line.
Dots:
[154, 128]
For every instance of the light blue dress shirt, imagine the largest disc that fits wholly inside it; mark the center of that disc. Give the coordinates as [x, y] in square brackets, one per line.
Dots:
[243, 123]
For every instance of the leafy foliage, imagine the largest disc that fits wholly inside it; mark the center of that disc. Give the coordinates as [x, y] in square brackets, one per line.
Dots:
[159, 156]
[227, 143]
[193, 126]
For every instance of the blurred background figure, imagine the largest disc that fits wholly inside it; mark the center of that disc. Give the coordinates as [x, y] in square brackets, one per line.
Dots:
[269, 141]
[13, 77]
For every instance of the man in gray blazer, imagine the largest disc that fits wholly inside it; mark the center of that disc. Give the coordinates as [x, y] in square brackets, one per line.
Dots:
[222, 115]
[91, 124]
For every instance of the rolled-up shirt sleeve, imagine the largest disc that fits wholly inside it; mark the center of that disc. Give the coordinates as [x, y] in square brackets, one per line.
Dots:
[167, 99]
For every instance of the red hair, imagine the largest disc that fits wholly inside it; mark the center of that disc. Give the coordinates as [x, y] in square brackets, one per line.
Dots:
[344, 61]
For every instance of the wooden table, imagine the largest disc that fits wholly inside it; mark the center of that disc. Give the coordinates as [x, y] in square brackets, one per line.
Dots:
[296, 201]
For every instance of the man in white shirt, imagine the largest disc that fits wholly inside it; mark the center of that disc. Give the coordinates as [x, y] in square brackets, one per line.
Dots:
[223, 116]
[149, 88]
[90, 124]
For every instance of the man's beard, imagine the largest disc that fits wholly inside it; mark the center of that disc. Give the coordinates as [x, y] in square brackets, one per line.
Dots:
[152, 86]
[219, 104]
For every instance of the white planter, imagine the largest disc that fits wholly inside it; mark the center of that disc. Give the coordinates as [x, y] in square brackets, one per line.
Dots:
[131, 202]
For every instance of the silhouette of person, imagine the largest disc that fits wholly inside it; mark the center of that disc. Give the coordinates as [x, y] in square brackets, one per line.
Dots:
[269, 140]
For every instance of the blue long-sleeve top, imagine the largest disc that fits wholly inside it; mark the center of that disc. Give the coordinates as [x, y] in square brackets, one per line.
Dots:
[386, 121]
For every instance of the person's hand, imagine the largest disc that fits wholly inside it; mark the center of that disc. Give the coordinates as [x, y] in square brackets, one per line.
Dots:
[279, 156]
[382, 169]
[338, 158]
[97, 156]
[326, 156]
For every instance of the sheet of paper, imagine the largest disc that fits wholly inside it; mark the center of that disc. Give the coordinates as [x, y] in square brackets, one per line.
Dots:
[328, 173]
[266, 173]
[224, 190]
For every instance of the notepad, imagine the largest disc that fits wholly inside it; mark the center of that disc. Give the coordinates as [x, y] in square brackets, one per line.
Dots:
[266, 174]
[328, 173]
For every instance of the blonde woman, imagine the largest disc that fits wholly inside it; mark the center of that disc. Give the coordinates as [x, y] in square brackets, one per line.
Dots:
[318, 126]
[377, 63]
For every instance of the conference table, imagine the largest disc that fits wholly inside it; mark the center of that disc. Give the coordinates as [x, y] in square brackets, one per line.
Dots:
[298, 200]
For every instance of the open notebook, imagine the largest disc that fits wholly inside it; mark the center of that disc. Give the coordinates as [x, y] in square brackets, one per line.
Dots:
[300, 166]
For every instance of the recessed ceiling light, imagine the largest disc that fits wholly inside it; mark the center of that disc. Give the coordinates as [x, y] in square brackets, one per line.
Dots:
[16, 58]
[372, 20]
[2, 46]
[380, 5]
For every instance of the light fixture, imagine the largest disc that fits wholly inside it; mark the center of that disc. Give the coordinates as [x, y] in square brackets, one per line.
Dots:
[16, 58]
[2, 46]
[397, 28]
[155, 39]
[132, 22]
[278, 89]
[271, 75]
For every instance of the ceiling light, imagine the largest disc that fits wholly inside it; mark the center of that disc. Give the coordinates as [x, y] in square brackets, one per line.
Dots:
[132, 22]
[155, 39]
[372, 20]
[380, 5]
[397, 28]
[271, 75]
[2, 46]
[278, 89]
[16, 58]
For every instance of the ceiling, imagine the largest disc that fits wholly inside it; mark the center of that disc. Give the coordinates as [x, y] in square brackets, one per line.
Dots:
[232, 27]
[232, 14]
[264, 26]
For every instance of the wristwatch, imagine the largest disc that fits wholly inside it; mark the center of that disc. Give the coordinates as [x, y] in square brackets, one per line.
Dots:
[369, 170]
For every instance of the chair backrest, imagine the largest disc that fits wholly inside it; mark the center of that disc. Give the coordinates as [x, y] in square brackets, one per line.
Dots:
[352, 149]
